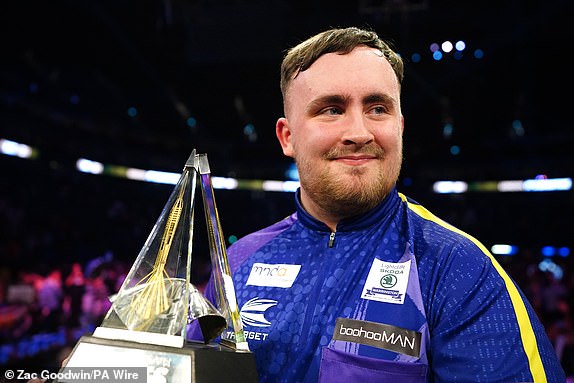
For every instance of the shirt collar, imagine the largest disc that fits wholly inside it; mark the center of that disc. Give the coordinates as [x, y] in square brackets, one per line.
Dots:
[382, 211]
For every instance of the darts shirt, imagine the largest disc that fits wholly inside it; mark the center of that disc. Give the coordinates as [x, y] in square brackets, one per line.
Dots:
[394, 295]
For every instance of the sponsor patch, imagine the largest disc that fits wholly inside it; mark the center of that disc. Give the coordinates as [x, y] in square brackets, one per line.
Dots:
[387, 282]
[273, 275]
[392, 338]
[253, 312]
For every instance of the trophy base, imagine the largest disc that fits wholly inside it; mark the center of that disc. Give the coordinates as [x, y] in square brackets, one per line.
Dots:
[195, 362]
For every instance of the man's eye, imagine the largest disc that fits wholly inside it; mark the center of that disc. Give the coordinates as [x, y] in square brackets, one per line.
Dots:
[379, 110]
[332, 111]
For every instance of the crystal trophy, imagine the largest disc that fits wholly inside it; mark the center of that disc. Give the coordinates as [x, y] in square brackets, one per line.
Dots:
[225, 291]
[147, 323]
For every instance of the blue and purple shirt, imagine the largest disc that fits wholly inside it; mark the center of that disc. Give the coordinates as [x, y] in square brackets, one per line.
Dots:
[394, 295]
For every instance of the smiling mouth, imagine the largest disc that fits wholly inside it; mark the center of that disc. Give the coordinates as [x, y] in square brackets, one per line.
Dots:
[358, 155]
[355, 160]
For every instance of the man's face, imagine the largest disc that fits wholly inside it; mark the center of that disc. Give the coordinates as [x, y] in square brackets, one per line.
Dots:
[343, 126]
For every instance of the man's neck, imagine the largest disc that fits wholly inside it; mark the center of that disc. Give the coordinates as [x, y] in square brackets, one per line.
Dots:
[316, 211]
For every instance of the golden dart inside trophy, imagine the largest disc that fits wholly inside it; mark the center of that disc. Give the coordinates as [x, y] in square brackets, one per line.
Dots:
[148, 320]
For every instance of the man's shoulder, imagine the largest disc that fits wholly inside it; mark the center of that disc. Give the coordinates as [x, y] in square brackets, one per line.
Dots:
[250, 243]
[421, 218]
[270, 231]
[429, 228]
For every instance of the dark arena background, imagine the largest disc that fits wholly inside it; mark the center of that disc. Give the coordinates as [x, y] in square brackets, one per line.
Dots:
[102, 102]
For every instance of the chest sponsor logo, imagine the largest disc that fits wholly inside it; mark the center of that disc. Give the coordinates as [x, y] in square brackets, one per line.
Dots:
[378, 335]
[273, 275]
[253, 312]
[387, 282]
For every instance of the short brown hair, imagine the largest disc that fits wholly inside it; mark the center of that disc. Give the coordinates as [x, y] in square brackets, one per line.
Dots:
[340, 40]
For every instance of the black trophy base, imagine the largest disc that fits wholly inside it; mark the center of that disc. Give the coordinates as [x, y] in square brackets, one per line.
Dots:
[195, 362]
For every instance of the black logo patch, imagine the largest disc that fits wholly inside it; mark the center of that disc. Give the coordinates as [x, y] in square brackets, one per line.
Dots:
[379, 335]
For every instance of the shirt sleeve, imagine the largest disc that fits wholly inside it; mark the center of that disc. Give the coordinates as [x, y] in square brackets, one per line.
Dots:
[482, 327]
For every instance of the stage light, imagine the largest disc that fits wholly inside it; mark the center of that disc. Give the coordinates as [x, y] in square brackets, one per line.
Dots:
[13, 148]
[280, 186]
[455, 150]
[564, 251]
[478, 53]
[501, 249]
[510, 186]
[552, 184]
[443, 187]
[434, 47]
[224, 183]
[88, 166]
[161, 177]
[446, 46]
[548, 251]
[538, 184]
[437, 55]
[460, 45]
[136, 174]
[132, 112]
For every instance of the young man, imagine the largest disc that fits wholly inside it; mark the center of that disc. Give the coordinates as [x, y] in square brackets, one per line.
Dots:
[362, 284]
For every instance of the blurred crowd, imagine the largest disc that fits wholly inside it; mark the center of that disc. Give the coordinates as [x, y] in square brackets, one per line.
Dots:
[50, 310]
[551, 293]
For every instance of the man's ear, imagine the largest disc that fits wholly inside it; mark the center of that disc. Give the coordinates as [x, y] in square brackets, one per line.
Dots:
[283, 132]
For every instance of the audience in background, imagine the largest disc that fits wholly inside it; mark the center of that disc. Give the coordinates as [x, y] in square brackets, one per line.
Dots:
[74, 289]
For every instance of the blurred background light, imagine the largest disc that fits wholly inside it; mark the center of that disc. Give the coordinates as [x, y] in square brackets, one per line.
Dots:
[460, 45]
[88, 166]
[12, 148]
[502, 249]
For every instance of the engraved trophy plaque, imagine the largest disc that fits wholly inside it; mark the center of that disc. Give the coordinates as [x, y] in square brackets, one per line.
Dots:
[147, 323]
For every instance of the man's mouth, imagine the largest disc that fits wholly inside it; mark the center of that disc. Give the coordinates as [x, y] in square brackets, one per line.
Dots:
[355, 160]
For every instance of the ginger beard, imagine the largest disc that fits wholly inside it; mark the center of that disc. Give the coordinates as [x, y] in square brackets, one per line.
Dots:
[349, 190]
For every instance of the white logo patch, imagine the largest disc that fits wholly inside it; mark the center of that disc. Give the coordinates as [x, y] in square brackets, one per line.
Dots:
[387, 282]
[253, 312]
[277, 275]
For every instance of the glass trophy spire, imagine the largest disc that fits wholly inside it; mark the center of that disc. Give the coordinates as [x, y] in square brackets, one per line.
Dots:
[157, 300]
[147, 323]
[153, 301]
[223, 283]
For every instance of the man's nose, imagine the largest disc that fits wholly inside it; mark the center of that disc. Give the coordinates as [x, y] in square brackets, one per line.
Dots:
[357, 131]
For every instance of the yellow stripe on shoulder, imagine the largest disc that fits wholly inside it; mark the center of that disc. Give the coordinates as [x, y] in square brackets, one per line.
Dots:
[526, 331]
